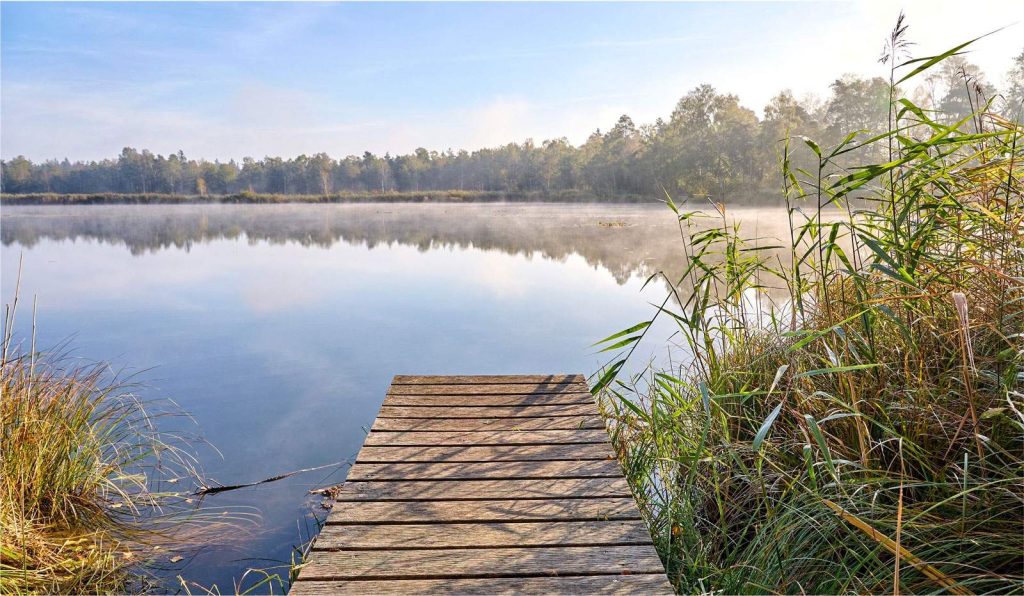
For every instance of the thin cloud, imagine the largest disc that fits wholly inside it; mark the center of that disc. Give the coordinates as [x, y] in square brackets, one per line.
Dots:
[287, 79]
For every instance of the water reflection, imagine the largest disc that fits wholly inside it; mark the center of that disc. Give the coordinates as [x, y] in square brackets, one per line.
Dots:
[278, 328]
[624, 240]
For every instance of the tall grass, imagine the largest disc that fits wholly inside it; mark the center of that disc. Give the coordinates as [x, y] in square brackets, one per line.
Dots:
[866, 434]
[83, 476]
[97, 495]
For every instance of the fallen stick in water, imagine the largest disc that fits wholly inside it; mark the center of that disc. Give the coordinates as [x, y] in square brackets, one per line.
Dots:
[209, 490]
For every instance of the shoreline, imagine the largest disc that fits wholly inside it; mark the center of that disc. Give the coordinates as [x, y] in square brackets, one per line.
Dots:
[246, 198]
[756, 198]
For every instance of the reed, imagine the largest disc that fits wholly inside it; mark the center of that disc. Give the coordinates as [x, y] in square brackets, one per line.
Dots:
[866, 434]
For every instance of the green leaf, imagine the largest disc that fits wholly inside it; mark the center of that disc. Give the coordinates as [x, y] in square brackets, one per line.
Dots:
[632, 406]
[621, 344]
[765, 427]
[879, 252]
[814, 146]
[778, 375]
[819, 334]
[809, 464]
[835, 369]
[839, 416]
[930, 61]
[767, 424]
[607, 377]
[831, 242]
[819, 438]
[668, 200]
[632, 329]
[896, 276]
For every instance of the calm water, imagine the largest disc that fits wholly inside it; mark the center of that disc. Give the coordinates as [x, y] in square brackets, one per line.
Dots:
[278, 328]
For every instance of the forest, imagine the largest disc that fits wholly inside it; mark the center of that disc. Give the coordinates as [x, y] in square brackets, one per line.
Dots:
[711, 145]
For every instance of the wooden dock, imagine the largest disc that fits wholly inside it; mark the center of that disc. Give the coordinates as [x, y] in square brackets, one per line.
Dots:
[485, 485]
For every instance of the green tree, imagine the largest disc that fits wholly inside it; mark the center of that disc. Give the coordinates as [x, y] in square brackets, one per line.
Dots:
[1014, 104]
[784, 118]
[963, 88]
[857, 104]
[17, 175]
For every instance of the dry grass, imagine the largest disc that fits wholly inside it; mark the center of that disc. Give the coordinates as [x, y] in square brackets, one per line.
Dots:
[79, 462]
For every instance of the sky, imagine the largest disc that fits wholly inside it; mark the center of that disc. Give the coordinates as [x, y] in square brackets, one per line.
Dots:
[230, 80]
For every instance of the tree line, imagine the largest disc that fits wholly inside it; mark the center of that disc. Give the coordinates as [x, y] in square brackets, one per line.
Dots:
[710, 145]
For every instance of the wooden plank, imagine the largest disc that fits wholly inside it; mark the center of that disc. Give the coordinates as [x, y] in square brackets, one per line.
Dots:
[537, 437]
[422, 490]
[652, 584]
[491, 470]
[451, 411]
[482, 424]
[506, 389]
[582, 451]
[499, 484]
[482, 562]
[529, 534]
[494, 510]
[484, 379]
[526, 399]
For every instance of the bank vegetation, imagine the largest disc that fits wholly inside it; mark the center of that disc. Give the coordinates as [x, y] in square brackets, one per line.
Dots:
[865, 434]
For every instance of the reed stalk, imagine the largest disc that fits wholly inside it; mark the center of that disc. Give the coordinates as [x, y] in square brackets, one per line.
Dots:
[865, 433]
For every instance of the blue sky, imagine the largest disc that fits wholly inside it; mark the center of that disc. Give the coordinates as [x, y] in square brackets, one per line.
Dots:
[226, 80]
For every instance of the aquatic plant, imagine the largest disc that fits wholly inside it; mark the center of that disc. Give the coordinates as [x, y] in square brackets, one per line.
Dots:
[866, 434]
[90, 490]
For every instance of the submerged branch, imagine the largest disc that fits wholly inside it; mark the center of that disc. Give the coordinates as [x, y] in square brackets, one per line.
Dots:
[209, 490]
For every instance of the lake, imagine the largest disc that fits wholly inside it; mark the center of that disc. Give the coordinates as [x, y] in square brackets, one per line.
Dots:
[278, 327]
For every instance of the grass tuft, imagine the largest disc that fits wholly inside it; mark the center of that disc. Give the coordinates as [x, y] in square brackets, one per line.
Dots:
[81, 468]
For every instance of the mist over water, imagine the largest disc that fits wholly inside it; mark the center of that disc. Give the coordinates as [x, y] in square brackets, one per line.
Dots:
[278, 327]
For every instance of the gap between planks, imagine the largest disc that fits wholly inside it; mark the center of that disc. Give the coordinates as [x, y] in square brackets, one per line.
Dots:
[484, 510]
[482, 535]
[486, 379]
[564, 584]
[489, 424]
[503, 389]
[544, 400]
[481, 438]
[485, 471]
[485, 485]
[475, 490]
[452, 411]
[484, 563]
[484, 453]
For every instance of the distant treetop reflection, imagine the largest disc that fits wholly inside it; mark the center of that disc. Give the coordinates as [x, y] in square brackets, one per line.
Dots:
[625, 240]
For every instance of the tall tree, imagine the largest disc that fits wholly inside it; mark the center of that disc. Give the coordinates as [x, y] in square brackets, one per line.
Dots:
[857, 104]
[1014, 107]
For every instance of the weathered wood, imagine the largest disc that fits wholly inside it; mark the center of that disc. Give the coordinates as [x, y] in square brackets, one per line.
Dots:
[528, 534]
[448, 411]
[499, 484]
[538, 437]
[484, 379]
[491, 470]
[646, 584]
[514, 389]
[479, 424]
[496, 510]
[422, 490]
[509, 453]
[487, 401]
[482, 562]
